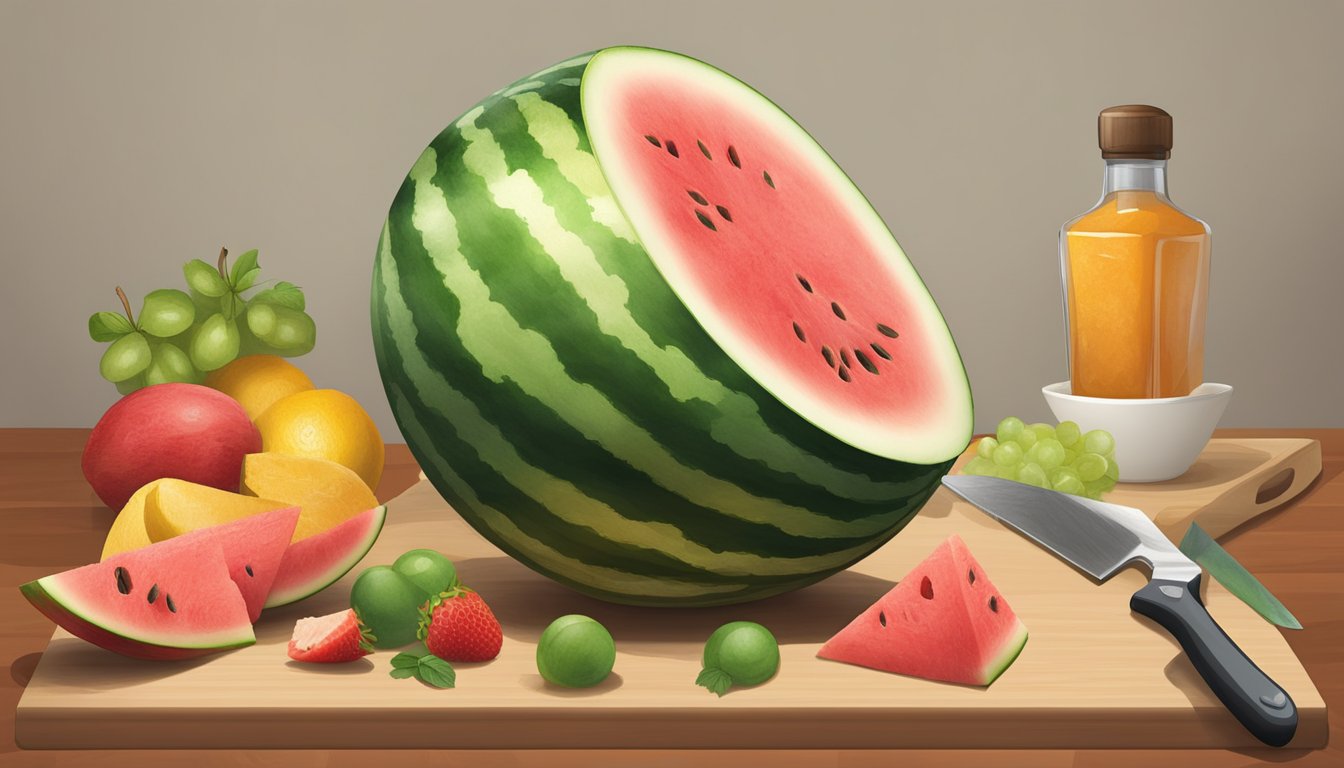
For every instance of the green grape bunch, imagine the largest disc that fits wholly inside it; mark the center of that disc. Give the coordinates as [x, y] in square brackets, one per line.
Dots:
[179, 336]
[1061, 458]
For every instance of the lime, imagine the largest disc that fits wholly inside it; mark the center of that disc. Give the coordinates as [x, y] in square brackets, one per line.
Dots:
[575, 652]
[738, 653]
[388, 604]
[426, 569]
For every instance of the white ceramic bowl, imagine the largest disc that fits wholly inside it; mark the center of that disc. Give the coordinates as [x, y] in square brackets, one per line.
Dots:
[1155, 438]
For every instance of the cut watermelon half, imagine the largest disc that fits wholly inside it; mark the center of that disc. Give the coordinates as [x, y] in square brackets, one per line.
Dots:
[944, 621]
[311, 565]
[171, 600]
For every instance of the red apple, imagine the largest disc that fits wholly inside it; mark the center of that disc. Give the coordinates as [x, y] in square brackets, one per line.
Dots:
[185, 431]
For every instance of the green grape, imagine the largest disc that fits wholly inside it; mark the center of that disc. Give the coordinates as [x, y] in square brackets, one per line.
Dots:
[979, 466]
[130, 385]
[249, 344]
[1026, 438]
[166, 313]
[261, 319]
[1068, 433]
[215, 343]
[1032, 474]
[1112, 471]
[204, 279]
[1059, 474]
[170, 364]
[1069, 484]
[1006, 473]
[126, 357]
[1095, 489]
[1049, 453]
[1009, 428]
[1090, 466]
[294, 334]
[1008, 454]
[1070, 456]
[1098, 441]
[986, 447]
[1043, 431]
[205, 305]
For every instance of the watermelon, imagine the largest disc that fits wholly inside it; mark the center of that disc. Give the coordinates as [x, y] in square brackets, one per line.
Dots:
[253, 548]
[944, 621]
[646, 337]
[171, 600]
[311, 565]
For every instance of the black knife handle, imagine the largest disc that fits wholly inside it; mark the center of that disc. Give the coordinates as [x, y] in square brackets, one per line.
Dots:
[1258, 702]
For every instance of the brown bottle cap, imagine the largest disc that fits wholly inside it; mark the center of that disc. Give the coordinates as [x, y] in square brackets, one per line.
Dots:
[1135, 131]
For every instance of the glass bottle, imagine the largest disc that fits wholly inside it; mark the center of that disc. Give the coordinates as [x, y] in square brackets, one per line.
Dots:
[1135, 271]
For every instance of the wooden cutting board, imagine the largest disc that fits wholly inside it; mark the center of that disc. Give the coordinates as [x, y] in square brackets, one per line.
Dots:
[1091, 675]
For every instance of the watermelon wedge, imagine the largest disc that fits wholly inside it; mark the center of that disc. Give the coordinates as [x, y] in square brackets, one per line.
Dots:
[253, 548]
[171, 600]
[944, 621]
[645, 336]
[311, 565]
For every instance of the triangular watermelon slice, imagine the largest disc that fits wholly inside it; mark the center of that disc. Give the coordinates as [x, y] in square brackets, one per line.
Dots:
[171, 600]
[944, 621]
[253, 550]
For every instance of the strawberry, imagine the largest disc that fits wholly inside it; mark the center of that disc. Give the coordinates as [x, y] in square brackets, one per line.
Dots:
[457, 625]
[330, 639]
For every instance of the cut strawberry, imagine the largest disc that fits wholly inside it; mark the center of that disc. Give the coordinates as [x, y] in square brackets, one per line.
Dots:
[330, 639]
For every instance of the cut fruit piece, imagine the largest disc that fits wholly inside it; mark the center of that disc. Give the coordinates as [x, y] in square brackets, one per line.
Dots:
[646, 337]
[171, 600]
[176, 507]
[311, 565]
[328, 493]
[332, 639]
[128, 529]
[253, 549]
[944, 621]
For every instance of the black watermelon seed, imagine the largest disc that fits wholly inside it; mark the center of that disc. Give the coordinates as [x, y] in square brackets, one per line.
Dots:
[705, 220]
[697, 197]
[654, 140]
[724, 213]
[926, 588]
[123, 580]
[168, 601]
[882, 353]
[153, 594]
[830, 358]
[840, 313]
[844, 374]
[993, 603]
[704, 149]
[798, 331]
[844, 356]
[970, 575]
[768, 180]
[248, 568]
[885, 331]
[732, 156]
[882, 618]
[803, 282]
[672, 149]
[865, 361]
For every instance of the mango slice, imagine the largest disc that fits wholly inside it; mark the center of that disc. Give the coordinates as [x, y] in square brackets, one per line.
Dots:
[328, 493]
[128, 529]
[175, 507]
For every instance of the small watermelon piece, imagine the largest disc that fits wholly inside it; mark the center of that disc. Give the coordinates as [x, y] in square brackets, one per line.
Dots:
[944, 621]
[253, 550]
[311, 565]
[172, 600]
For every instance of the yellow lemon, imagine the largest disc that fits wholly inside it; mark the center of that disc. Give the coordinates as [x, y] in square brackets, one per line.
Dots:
[258, 381]
[324, 424]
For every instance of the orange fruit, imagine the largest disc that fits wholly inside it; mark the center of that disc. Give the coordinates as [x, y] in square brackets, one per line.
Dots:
[258, 381]
[324, 424]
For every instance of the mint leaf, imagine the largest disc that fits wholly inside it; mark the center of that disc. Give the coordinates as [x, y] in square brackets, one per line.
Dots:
[283, 294]
[715, 680]
[406, 661]
[204, 279]
[425, 667]
[244, 264]
[108, 326]
[1221, 565]
[402, 673]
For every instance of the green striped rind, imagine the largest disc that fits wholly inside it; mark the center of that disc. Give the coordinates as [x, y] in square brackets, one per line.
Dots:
[557, 393]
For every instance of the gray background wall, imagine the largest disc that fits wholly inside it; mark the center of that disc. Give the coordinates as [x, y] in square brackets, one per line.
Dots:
[135, 136]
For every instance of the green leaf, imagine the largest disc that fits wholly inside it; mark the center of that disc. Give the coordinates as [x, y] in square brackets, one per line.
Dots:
[248, 280]
[1200, 547]
[108, 326]
[204, 279]
[715, 680]
[436, 672]
[406, 660]
[244, 264]
[401, 673]
[283, 294]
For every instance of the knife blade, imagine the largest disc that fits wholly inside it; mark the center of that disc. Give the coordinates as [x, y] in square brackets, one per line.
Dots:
[1100, 539]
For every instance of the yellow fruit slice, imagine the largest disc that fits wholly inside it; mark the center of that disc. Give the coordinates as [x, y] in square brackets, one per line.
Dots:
[176, 507]
[258, 381]
[128, 530]
[325, 424]
[328, 493]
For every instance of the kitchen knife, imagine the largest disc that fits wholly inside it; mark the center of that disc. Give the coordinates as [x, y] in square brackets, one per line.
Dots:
[1100, 539]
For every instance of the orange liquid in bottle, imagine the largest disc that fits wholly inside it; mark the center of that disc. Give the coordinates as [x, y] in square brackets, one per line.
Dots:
[1136, 283]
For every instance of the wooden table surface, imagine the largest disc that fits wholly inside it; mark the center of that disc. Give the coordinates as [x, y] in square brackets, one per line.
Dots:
[52, 521]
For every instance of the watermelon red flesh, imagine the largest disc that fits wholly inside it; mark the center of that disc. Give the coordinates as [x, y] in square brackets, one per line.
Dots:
[207, 612]
[315, 563]
[784, 262]
[253, 548]
[944, 621]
